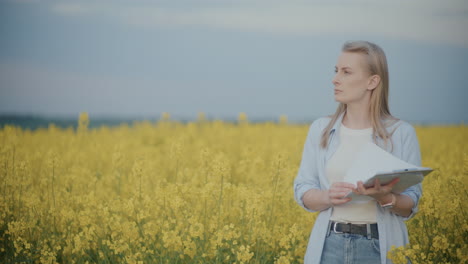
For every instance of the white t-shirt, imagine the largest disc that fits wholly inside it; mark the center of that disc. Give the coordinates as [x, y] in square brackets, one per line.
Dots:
[351, 140]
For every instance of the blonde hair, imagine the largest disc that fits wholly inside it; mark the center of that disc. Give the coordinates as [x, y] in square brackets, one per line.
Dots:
[379, 110]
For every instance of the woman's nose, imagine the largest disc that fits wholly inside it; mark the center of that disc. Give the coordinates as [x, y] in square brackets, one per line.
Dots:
[335, 80]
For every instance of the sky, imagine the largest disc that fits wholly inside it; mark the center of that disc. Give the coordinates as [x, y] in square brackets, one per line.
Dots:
[265, 58]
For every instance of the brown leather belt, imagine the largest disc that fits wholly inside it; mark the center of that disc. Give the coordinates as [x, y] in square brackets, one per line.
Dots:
[367, 230]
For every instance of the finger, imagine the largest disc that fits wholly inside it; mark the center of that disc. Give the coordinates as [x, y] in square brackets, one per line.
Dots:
[340, 201]
[361, 187]
[337, 191]
[393, 182]
[388, 187]
[358, 192]
[343, 185]
[377, 185]
[339, 194]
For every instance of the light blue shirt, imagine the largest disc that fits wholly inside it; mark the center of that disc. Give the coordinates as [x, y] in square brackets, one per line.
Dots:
[311, 175]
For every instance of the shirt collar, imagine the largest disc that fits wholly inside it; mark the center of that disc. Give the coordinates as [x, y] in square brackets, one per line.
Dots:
[337, 123]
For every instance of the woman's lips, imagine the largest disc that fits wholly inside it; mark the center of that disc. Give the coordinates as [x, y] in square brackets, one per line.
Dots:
[337, 91]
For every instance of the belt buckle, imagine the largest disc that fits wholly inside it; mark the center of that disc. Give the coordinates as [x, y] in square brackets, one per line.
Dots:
[334, 228]
[369, 231]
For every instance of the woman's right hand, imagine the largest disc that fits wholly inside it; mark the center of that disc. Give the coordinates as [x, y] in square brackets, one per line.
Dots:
[337, 191]
[318, 200]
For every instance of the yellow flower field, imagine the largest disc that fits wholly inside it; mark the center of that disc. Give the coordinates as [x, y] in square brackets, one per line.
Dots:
[201, 192]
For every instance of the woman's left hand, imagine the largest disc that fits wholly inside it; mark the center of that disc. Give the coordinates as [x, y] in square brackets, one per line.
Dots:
[378, 192]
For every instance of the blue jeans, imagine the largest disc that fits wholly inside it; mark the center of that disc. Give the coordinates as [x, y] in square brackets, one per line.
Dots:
[350, 249]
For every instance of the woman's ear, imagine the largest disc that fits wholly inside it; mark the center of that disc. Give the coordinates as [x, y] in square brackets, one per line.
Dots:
[374, 81]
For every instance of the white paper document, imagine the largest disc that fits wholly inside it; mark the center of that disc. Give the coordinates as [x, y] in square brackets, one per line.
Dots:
[373, 162]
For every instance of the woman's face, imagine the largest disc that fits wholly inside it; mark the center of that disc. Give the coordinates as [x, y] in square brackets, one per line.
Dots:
[352, 79]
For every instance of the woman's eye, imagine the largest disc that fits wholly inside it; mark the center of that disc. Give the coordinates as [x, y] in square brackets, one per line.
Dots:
[346, 72]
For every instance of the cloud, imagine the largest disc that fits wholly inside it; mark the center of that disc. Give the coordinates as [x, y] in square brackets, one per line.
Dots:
[23, 1]
[433, 21]
[34, 89]
[73, 9]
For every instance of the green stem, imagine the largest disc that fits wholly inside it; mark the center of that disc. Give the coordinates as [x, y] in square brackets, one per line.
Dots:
[275, 185]
[220, 200]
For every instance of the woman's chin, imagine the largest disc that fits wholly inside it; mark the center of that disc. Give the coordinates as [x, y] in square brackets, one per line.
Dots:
[339, 100]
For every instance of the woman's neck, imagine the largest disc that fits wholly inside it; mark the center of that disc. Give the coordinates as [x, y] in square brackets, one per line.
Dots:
[357, 117]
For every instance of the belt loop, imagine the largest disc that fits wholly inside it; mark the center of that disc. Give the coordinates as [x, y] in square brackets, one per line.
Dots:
[329, 228]
[368, 226]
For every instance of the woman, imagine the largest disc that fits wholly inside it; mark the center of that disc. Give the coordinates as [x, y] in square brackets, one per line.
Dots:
[347, 231]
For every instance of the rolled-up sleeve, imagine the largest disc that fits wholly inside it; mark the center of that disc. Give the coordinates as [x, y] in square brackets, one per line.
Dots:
[307, 177]
[412, 154]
